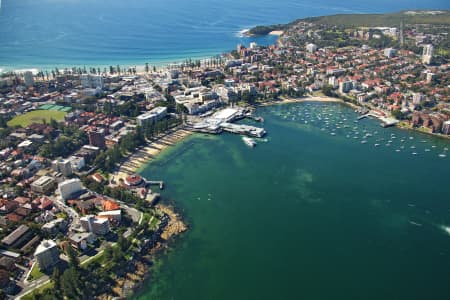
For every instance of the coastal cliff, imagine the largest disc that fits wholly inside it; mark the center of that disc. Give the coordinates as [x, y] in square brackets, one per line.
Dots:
[438, 17]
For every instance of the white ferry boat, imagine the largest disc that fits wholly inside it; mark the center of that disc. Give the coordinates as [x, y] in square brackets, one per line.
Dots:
[248, 141]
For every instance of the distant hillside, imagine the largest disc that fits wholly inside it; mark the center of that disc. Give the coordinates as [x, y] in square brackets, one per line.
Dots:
[393, 19]
[436, 17]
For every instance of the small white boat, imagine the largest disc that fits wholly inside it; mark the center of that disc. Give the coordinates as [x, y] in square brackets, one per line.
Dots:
[248, 141]
[415, 223]
[442, 155]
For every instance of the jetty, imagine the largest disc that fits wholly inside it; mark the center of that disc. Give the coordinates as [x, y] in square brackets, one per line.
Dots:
[385, 121]
[243, 129]
[152, 182]
[254, 118]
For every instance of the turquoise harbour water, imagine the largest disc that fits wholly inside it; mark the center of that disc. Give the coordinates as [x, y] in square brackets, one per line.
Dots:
[307, 214]
[59, 33]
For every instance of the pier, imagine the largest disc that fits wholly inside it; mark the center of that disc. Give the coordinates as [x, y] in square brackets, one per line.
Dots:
[385, 121]
[243, 129]
[160, 183]
[254, 118]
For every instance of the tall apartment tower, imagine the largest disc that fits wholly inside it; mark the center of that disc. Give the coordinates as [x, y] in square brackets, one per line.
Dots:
[427, 55]
[402, 39]
[28, 78]
[97, 138]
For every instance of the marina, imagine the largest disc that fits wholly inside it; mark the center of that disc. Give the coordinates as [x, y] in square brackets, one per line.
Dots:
[339, 122]
[223, 119]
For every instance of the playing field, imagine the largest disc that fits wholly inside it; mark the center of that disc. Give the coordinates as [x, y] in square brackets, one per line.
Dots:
[36, 116]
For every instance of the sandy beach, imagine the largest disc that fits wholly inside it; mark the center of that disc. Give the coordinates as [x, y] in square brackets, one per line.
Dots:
[149, 151]
[308, 99]
[276, 32]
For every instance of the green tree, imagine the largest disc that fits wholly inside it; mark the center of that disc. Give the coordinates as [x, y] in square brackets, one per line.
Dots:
[73, 258]
[398, 114]
[2, 122]
[108, 253]
[327, 90]
[71, 285]
[56, 278]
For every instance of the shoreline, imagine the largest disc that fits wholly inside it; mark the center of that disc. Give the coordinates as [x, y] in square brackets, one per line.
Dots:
[327, 99]
[174, 230]
[139, 159]
[131, 283]
[323, 99]
[140, 65]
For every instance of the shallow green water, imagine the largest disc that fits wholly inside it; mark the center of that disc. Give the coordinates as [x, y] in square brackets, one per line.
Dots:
[307, 214]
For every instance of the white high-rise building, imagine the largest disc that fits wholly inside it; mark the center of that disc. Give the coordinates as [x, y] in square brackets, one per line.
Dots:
[69, 187]
[152, 116]
[417, 98]
[92, 81]
[95, 225]
[28, 77]
[311, 48]
[427, 54]
[389, 52]
[62, 165]
[47, 254]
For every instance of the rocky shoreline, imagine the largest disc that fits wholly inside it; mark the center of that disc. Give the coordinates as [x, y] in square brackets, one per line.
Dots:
[170, 226]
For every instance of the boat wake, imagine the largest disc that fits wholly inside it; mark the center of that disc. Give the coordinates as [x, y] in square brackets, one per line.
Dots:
[446, 229]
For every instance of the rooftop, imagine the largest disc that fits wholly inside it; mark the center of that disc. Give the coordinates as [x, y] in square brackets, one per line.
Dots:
[15, 235]
[43, 181]
[44, 246]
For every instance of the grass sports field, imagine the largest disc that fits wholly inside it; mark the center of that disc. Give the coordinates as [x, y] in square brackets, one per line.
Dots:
[36, 116]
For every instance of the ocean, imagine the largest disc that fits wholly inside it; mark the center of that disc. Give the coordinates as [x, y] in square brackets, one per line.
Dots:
[59, 33]
[324, 207]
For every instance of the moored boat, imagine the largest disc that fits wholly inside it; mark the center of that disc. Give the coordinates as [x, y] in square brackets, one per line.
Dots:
[249, 141]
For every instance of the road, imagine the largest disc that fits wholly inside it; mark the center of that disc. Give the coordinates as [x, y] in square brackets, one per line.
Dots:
[72, 214]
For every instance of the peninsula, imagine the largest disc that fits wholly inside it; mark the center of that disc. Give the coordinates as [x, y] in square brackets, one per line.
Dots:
[75, 216]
